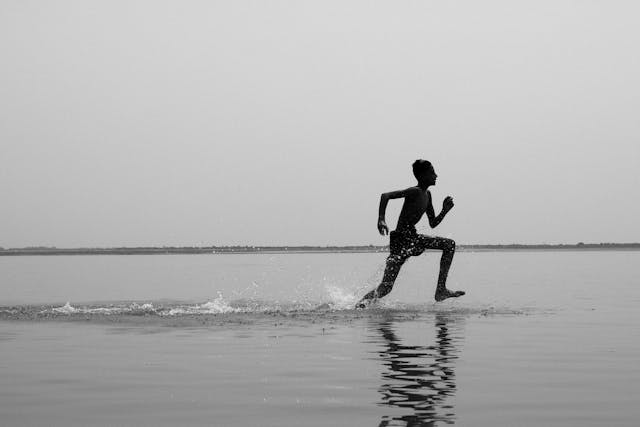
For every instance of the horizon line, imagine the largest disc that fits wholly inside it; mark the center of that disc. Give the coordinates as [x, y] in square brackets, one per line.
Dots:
[221, 249]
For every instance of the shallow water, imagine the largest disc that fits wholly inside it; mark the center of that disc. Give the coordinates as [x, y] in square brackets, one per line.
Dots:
[542, 338]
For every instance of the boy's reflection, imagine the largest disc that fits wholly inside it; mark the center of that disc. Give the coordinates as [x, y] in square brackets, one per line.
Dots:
[419, 378]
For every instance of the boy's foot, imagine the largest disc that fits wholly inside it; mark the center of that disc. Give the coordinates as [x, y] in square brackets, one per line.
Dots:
[367, 299]
[364, 303]
[446, 293]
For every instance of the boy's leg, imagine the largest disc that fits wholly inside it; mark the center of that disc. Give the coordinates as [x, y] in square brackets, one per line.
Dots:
[448, 247]
[394, 263]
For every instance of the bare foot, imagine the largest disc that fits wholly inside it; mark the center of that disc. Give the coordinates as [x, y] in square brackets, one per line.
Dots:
[446, 293]
[367, 299]
[364, 303]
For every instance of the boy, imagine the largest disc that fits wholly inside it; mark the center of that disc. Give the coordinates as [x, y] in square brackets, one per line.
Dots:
[405, 242]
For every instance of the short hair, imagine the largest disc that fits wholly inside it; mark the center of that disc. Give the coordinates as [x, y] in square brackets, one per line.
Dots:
[420, 166]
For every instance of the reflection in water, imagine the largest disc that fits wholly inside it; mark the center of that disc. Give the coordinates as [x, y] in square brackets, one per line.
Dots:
[419, 378]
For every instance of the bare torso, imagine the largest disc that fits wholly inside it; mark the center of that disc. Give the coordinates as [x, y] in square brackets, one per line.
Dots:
[414, 206]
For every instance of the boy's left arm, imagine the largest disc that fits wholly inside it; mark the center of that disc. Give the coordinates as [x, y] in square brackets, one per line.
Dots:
[447, 205]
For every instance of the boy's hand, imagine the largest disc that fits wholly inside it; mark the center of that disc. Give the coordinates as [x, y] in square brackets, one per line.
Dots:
[382, 227]
[447, 204]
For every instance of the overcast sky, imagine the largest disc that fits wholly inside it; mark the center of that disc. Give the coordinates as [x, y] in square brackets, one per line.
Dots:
[148, 122]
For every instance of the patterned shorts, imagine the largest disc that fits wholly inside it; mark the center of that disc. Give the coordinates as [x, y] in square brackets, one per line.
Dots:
[406, 243]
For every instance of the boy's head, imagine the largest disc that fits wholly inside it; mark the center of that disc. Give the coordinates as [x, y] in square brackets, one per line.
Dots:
[424, 172]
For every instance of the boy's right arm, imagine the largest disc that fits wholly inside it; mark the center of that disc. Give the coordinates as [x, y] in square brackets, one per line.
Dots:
[384, 199]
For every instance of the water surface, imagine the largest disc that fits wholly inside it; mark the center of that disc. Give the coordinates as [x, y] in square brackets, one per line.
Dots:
[542, 338]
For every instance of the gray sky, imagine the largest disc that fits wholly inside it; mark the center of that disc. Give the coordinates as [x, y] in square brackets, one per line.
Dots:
[280, 122]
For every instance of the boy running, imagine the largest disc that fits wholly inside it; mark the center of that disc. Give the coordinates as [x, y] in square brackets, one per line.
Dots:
[405, 242]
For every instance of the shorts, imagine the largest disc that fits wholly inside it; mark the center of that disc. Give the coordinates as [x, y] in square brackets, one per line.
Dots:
[406, 243]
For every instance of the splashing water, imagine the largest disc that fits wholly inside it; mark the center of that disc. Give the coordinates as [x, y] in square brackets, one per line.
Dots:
[66, 309]
[217, 306]
[133, 308]
[340, 299]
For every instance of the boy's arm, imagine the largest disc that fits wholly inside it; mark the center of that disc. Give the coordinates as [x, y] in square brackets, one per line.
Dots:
[434, 220]
[382, 209]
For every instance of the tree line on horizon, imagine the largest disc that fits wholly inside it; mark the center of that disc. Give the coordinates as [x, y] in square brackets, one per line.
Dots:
[43, 250]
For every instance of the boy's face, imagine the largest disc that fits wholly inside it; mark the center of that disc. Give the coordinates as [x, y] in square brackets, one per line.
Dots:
[429, 176]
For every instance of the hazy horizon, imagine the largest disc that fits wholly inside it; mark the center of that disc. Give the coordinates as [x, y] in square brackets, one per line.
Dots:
[145, 123]
[204, 246]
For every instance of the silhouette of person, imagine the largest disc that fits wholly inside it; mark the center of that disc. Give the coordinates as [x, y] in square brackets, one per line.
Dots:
[405, 242]
[420, 378]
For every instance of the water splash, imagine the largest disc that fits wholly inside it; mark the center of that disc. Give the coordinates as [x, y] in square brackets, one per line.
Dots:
[66, 309]
[217, 306]
[133, 308]
[340, 299]
[338, 303]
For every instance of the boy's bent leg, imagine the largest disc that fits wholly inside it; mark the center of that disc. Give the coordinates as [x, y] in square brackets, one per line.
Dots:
[448, 247]
[394, 263]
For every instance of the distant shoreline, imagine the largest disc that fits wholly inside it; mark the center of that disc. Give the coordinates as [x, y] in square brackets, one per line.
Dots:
[215, 250]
